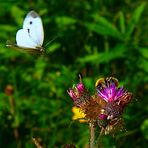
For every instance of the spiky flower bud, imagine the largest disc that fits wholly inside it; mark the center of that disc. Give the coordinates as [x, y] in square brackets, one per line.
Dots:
[79, 94]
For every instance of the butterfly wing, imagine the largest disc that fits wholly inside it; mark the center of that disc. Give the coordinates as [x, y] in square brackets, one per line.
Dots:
[24, 49]
[32, 34]
[23, 39]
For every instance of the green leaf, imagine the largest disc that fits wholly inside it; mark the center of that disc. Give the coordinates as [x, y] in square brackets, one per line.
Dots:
[39, 68]
[20, 15]
[103, 26]
[134, 20]
[65, 20]
[122, 21]
[16, 122]
[5, 29]
[143, 64]
[104, 57]
[53, 47]
[144, 52]
[144, 128]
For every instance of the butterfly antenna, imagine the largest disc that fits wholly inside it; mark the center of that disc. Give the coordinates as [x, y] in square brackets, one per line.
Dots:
[51, 41]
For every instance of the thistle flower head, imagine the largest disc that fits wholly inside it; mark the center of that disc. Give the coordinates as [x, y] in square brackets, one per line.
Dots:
[76, 91]
[116, 99]
[109, 92]
[79, 94]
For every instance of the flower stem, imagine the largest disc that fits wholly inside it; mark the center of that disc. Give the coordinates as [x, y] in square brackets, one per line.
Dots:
[92, 135]
[12, 106]
[36, 142]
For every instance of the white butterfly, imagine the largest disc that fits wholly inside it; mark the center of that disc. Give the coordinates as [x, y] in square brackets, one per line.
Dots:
[30, 37]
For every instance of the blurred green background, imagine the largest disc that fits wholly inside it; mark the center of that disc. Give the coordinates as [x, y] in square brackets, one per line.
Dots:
[96, 38]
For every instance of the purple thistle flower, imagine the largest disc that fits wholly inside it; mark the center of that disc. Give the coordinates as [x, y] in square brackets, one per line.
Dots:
[79, 94]
[75, 92]
[110, 92]
[116, 98]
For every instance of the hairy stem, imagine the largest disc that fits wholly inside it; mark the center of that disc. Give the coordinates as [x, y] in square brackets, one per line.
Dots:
[92, 135]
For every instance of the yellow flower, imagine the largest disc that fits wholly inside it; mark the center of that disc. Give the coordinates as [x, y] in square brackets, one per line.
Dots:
[78, 114]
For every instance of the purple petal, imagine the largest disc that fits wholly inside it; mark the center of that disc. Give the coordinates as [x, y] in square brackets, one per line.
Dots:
[80, 87]
[72, 94]
[102, 116]
[119, 93]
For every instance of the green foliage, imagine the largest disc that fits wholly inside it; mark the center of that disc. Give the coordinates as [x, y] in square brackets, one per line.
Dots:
[103, 27]
[144, 128]
[95, 38]
[133, 21]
